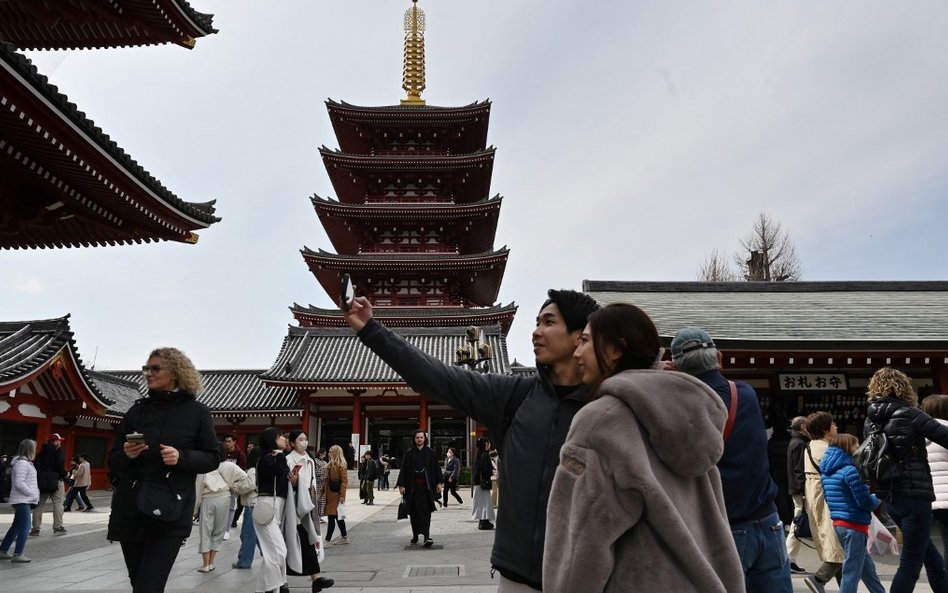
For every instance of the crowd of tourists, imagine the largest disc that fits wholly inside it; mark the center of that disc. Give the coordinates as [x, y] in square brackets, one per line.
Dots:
[623, 470]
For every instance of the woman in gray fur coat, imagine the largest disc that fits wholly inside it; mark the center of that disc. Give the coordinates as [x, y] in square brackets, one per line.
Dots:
[636, 503]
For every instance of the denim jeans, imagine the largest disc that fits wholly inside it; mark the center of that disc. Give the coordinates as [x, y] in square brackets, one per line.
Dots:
[763, 552]
[19, 530]
[914, 518]
[857, 564]
[248, 540]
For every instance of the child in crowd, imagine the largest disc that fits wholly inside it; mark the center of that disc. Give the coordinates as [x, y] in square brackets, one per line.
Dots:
[851, 505]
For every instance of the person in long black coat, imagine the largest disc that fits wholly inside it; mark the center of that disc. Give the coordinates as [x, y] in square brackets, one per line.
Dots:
[179, 443]
[420, 482]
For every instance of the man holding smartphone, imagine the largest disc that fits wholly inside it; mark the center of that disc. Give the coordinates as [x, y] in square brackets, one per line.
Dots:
[528, 418]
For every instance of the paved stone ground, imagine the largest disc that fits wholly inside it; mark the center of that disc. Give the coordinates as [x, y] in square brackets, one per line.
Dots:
[378, 560]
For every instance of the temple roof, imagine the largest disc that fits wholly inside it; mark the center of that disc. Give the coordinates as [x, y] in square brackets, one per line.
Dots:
[894, 316]
[349, 226]
[64, 182]
[43, 353]
[463, 178]
[358, 129]
[484, 270]
[72, 24]
[336, 358]
[232, 391]
[502, 315]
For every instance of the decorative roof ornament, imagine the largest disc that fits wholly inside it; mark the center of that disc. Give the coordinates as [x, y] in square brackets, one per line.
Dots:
[413, 71]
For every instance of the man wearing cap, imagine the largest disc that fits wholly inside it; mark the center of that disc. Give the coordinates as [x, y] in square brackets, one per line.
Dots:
[749, 491]
[50, 465]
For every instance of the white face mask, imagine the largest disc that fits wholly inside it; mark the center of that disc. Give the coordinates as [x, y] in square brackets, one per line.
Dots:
[301, 446]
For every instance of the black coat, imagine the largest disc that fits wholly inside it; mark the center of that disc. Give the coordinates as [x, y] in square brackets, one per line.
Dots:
[172, 418]
[420, 458]
[483, 470]
[796, 477]
[906, 427]
[51, 459]
[528, 419]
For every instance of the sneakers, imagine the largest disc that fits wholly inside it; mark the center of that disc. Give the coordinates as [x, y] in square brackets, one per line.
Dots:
[342, 541]
[414, 540]
[814, 585]
[34, 531]
[460, 506]
[227, 535]
[21, 558]
[88, 509]
[795, 569]
[5, 555]
[485, 524]
[207, 568]
[429, 542]
[237, 565]
[322, 583]
[59, 530]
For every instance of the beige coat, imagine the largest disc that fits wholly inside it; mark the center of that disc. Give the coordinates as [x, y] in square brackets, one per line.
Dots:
[83, 476]
[821, 524]
[636, 503]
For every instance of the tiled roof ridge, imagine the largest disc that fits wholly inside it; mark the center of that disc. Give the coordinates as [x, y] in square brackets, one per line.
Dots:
[203, 211]
[486, 201]
[413, 257]
[331, 103]
[296, 331]
[406, 311]
[203, 20]
[743, 286]
[381, 158]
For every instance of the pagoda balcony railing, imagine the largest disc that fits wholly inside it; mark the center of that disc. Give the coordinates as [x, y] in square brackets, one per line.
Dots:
[397, 199]
[389, 250]
[420, 151]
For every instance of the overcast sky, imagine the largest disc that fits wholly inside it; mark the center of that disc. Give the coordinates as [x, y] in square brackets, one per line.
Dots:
[633, 138]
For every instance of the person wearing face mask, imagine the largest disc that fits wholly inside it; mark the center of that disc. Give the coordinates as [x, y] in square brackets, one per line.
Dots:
[299, 529]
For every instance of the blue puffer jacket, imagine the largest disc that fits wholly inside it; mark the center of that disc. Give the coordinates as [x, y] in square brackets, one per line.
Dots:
[847, 497]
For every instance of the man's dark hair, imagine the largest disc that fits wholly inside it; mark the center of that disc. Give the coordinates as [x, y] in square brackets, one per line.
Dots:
[575, 307]
[818, 424]
[230, 436]
[83, 457]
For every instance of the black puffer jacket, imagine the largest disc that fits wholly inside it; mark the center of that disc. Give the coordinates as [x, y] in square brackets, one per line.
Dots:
[906, 427]
[175, 419]
[528, 418]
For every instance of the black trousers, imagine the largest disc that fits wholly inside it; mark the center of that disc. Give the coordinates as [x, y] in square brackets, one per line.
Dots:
[149, 562]
[419, 511]
[452, 486]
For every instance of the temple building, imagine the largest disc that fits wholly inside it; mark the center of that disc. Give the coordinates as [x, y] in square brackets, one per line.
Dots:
[413, 224]
[63, 181]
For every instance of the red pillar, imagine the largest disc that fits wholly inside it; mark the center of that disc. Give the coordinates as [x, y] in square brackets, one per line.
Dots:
[423, 415]
[306, 417]
[357, 412]
[940, 377]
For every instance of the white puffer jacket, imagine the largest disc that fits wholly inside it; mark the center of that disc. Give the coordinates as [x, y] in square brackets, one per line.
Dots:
[24, 488]
[938, 461]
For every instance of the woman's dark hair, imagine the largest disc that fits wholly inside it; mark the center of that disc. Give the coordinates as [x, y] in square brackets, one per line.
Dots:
[452, 451]
[254, 457]
[268, 438]
[818, 424]
[630, 331]
[294, 434]
[936, 406]
[482, 444]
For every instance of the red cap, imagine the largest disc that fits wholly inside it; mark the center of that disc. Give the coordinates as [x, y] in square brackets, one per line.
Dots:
[55, 437]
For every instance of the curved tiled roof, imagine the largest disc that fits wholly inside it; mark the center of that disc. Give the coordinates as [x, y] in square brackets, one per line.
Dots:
[231, 391]
[327, 356]
[201, 212]
[798, 314]
[414, 110]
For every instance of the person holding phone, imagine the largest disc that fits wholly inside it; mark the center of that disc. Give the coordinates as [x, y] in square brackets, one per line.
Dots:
[164, 441]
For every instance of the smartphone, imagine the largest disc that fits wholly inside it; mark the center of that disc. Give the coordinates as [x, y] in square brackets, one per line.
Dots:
[296, 468]
[135, 437]
[346, 293]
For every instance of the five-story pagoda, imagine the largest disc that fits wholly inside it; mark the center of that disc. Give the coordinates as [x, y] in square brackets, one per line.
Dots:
[413, 225]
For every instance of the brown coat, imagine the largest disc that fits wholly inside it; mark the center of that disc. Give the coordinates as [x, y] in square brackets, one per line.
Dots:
[821, 524]
[333, 498]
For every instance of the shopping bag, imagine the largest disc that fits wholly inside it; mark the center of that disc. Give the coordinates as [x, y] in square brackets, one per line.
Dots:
[881, 541]
[402, 509]
[320, 549]
[341, 511]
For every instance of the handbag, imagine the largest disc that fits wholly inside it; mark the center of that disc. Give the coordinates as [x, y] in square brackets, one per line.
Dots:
[402, 510]
[159, 500]
[341, 511]
[801, 524]
[334, 485]
[265, 508]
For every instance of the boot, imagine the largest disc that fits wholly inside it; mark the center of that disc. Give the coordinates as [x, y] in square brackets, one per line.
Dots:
[485, 524]
[322, 583]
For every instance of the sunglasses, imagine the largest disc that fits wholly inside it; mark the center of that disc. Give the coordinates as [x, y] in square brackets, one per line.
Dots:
[154, 369]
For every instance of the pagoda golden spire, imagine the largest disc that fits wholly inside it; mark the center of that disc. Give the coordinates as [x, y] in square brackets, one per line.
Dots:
[413, 71]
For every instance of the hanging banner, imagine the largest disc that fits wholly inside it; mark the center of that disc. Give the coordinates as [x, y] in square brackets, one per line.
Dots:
[826, 382]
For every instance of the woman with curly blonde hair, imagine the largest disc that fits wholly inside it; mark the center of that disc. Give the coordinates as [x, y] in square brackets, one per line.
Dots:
[165, 440]
[893, 409]
[337, 481]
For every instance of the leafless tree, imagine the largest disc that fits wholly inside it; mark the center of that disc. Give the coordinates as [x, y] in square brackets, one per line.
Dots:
[766, 255]
[716, 268]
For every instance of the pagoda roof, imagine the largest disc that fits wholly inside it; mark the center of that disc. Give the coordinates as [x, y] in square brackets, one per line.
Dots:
[501, 315]
[64, 182]
[232, 391]
[336, 358]
[795, 316]
[487, 269]
[71, 24]
[355, 125]
[351, 174]
[479, 220]
[43, 354]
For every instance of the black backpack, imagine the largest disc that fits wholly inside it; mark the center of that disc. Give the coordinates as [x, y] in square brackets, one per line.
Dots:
[7, 485]
[875, 458]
